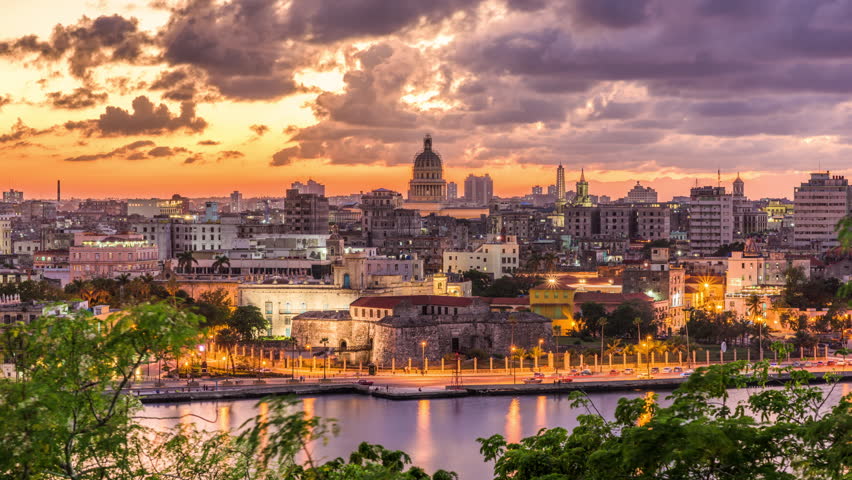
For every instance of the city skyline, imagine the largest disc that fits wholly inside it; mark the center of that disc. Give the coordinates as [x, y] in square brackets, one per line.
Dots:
[121, 99]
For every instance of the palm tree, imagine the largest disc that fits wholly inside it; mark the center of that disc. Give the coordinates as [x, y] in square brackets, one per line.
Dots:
[549, 259]
[94, 295]
[536, 352]
[122, 280]
[615, 347]
[754, 309]
[638, 322]
[220, 263]
[533, 262]
[324, 342]
[185, 261]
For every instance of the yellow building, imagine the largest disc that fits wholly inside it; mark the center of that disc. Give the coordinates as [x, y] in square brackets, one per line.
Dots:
[555, 301]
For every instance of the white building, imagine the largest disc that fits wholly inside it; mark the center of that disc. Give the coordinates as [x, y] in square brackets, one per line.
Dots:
[750, 270]
[146, 207]
[819, 204]
[711, 219]
[498, 256]
[640, 194]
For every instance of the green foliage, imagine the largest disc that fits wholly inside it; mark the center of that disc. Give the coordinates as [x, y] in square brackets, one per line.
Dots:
[621, 320]
[784, 433]
[480, 281]
[513, 286]
[68, 415]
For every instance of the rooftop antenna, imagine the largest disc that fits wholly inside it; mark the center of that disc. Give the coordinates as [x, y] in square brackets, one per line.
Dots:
[719, 177]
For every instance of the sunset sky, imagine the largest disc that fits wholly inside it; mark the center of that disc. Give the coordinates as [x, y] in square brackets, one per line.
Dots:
[148, 98]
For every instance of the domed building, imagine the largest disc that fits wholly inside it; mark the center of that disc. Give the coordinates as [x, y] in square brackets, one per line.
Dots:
[428, 184]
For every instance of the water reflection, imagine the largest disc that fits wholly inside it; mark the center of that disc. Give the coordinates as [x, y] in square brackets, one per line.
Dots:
[436, 433]
[513, 421]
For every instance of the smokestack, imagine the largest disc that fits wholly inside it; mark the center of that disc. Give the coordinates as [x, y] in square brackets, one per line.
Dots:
[58, 192]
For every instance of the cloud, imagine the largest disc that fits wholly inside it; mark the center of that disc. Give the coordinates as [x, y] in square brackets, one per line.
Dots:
[129, 149]
[21, 131]
[284, 157]
[208, 142]
[195, 157]
[146, 118]
[612, 13]
[166, 151]
[81, 97]
[5, 100]
[230, 154]
[259, 130]
[85, 45]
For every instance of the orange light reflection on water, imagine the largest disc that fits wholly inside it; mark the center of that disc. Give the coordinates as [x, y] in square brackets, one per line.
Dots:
[513, 421]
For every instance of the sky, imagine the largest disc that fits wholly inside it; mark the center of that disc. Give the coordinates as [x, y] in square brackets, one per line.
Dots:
[129, 98]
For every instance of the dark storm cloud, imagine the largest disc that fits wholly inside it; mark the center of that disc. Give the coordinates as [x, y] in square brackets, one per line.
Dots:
[326, 21]
[145, 118]
[81, 97]
[87, 44]
[612, 13]
[129, 150]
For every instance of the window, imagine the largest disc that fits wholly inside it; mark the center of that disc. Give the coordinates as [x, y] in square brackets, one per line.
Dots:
[269, 308]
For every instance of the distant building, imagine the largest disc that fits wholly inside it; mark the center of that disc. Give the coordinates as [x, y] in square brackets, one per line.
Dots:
[640, 194]
[305, 212]
[711, 219]
[552, 190]
[819, 204]
[452, 191]
[537, 190]
[151, 207]
[310, 187]
[378, 218]
[478, 189]
[427, 184]
[107, 256]
[5, 236]
[211, 211]
[13, 196]
[560, 184]
[236, 203]
[498, 256]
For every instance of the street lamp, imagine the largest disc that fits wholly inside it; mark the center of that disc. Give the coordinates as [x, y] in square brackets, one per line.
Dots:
[512, 357]
[311, 363]
[423, 356]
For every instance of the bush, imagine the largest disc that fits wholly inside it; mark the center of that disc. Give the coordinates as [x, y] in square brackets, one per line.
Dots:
[477, 353]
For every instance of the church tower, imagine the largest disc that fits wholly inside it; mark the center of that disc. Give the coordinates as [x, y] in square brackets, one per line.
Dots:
[739, 186]
[582, 199]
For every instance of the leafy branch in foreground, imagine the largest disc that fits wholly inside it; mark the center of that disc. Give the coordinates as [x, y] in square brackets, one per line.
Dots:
[779, 432]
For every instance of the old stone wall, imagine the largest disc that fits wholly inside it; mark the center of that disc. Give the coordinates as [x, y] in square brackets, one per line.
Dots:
[342, 333]
[401, 338]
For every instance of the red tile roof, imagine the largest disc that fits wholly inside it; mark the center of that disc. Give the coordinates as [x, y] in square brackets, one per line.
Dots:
[603, 298]
[393, 301]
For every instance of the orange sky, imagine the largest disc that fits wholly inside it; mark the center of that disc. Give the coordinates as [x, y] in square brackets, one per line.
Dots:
[358, 103]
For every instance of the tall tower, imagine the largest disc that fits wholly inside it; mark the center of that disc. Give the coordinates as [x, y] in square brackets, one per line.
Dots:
[739, 186]
[582, 199]
[560, 183]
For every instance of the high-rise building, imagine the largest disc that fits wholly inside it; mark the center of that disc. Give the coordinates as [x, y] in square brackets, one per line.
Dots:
[236, 205]
[819, 204]
[5, 237]
[640, 194]
[211, 211]
[560, 184]
[537, 190]
[551, 190]
[427, 184]
[311, 187]
[582, 198]
[478, 189]
[452, 191]
[13, 196]
[711, 219]
[305, 212]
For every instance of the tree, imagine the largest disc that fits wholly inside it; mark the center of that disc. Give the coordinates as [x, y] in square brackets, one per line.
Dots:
[68, 418]
[591, 312]
[186, 260]
[549, 259]
[785, 433]
[248, 322]
[227, 338]
[215, 306]
[221, 264]
[480, 281]
[601, 324]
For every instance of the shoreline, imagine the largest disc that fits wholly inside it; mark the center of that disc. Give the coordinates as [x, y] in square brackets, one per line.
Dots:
[420, 393]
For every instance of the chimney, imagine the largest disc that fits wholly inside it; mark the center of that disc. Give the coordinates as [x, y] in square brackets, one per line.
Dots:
[58, 192]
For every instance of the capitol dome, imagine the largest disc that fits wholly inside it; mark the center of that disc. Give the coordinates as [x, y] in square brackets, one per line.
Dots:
[428, 158]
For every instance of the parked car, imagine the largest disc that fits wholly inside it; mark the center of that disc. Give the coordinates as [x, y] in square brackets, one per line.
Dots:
[532, 380]
[830, 363]
[687, 373]
[628, 371]
[677, 370]
[808, 364]
[655, 370]
[644, 376]
[840, 363]
[613, 372]
[820, 363]
[797, 364]
[365, 382]
[586, 372]
[667, 369]
[538, 375]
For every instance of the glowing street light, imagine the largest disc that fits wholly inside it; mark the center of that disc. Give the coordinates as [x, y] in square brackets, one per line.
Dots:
[423, 355]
